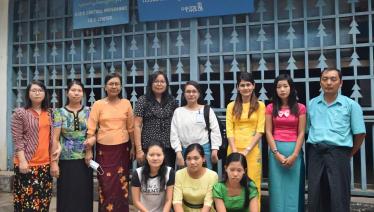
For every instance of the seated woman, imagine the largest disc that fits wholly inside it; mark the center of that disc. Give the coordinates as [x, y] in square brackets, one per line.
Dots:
[236, 192]
[152, 184]
[193, 184]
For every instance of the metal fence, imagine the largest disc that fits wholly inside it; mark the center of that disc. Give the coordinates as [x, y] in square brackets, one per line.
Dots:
[298, 37]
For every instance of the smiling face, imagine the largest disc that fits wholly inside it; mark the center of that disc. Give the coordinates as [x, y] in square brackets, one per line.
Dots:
[191, 93]
[155, 156]
[75, 94]
[194, 161]
[113, 87]
[159, 85]
[283, 89]
[245, 88]
[235, 171]
[330, 82]
[36, 94]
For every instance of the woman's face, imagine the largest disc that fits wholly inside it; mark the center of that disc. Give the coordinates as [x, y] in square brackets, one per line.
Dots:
[245, 88]
[36, 94]
[191, 94]
[235, 171]
[194, 161]
[155, 156]
[75, 94]
[113, 87]
[159, 85]
[283, 89]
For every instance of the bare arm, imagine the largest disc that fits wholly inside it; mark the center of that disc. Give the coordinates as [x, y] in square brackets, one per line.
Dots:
[178, 207]
[253, 205]
[168, 199]
[220, 205]
[270, 139]
[256, 138]
[138, 122]
[299, 141]
[205, 208]
[136, 199]
[357, 141]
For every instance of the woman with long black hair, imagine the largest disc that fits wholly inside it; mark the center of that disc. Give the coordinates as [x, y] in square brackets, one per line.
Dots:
[236, 192]
[285, 129]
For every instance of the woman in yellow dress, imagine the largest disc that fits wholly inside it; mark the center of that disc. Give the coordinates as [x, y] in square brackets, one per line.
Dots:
[245, 125]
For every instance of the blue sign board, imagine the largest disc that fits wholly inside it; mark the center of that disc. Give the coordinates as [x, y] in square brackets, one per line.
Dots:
[98, 13]
[153, 10]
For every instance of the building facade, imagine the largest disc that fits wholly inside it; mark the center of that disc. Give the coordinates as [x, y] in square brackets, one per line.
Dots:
[298, 37]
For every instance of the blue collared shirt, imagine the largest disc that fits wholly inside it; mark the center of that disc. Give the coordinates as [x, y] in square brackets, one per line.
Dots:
[334, 124]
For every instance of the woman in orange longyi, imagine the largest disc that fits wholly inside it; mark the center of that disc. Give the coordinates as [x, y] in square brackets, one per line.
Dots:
[245, 125]
[111, 121]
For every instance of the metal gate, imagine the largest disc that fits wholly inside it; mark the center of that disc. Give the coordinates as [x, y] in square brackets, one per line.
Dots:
[299, 37]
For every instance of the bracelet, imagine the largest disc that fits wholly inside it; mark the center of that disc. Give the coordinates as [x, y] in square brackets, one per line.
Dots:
[275, 151]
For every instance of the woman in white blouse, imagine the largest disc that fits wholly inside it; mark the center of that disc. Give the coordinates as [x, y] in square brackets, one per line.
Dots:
[188, 126]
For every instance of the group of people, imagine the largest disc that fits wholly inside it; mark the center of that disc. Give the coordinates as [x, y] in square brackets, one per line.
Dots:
[163, 137]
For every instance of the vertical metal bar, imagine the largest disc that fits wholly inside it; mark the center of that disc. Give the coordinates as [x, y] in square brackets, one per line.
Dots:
[194, 65]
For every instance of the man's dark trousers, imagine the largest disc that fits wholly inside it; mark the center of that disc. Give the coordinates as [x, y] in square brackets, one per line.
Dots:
[329, 178]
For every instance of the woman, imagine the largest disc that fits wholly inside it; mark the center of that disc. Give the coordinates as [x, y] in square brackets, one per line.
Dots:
[153, 113]
[111, 121]
[245, 124]
[193, 184]
[75, 182]
[152, 184]
[285, 128]
[32, 137]
[188, 126]
[236, 192]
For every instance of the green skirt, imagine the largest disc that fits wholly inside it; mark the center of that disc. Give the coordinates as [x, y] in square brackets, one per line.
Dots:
[286, 185]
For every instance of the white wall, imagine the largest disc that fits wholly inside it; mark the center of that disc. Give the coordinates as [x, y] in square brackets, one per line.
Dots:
[4, 4]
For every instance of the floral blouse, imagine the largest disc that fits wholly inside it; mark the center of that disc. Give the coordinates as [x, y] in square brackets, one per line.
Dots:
[156, 119]
[73, 131]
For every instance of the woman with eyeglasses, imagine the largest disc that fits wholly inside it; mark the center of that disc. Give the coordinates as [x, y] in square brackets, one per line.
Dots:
[75, 181]
[153, 113]
[245, 125]
[111, 122]
[32, 132]
[188, 126]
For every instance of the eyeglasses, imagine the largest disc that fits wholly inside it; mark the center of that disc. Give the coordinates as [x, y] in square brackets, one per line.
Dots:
[37, 91]
[113, 84]
[159, 82]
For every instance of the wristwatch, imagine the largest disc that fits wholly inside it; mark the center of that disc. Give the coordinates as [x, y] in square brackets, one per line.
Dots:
[275, 151]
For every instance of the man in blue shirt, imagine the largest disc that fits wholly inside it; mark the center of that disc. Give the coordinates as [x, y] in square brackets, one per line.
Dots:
[336, 131]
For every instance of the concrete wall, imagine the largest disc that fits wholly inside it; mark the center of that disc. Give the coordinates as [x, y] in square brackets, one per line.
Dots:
[4, 5]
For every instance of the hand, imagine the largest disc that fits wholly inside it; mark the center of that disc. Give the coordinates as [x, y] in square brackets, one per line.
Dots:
[24, 167]
[290, 160]
[140, 156]
[234, 149]
[245, 151]
[281, 158]
[55, 170]
[180, 160]
[214, 156]
[56, 154]
[88, 156]
[89, 142]
[132, 153]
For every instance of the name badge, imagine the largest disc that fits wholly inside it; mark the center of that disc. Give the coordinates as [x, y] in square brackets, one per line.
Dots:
[200, 118]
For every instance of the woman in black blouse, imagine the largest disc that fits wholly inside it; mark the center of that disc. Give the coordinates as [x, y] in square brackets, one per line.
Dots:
[153, 114]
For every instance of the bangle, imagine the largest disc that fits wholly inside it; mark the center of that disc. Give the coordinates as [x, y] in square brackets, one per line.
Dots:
[275, 151]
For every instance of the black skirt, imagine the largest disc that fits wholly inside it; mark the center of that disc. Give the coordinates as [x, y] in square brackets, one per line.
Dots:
[74, 187]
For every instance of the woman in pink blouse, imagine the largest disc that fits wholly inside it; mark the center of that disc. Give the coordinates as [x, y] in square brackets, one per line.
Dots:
[285, 129]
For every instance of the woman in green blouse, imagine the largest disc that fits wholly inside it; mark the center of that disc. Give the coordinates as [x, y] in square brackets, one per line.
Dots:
[236, 192]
